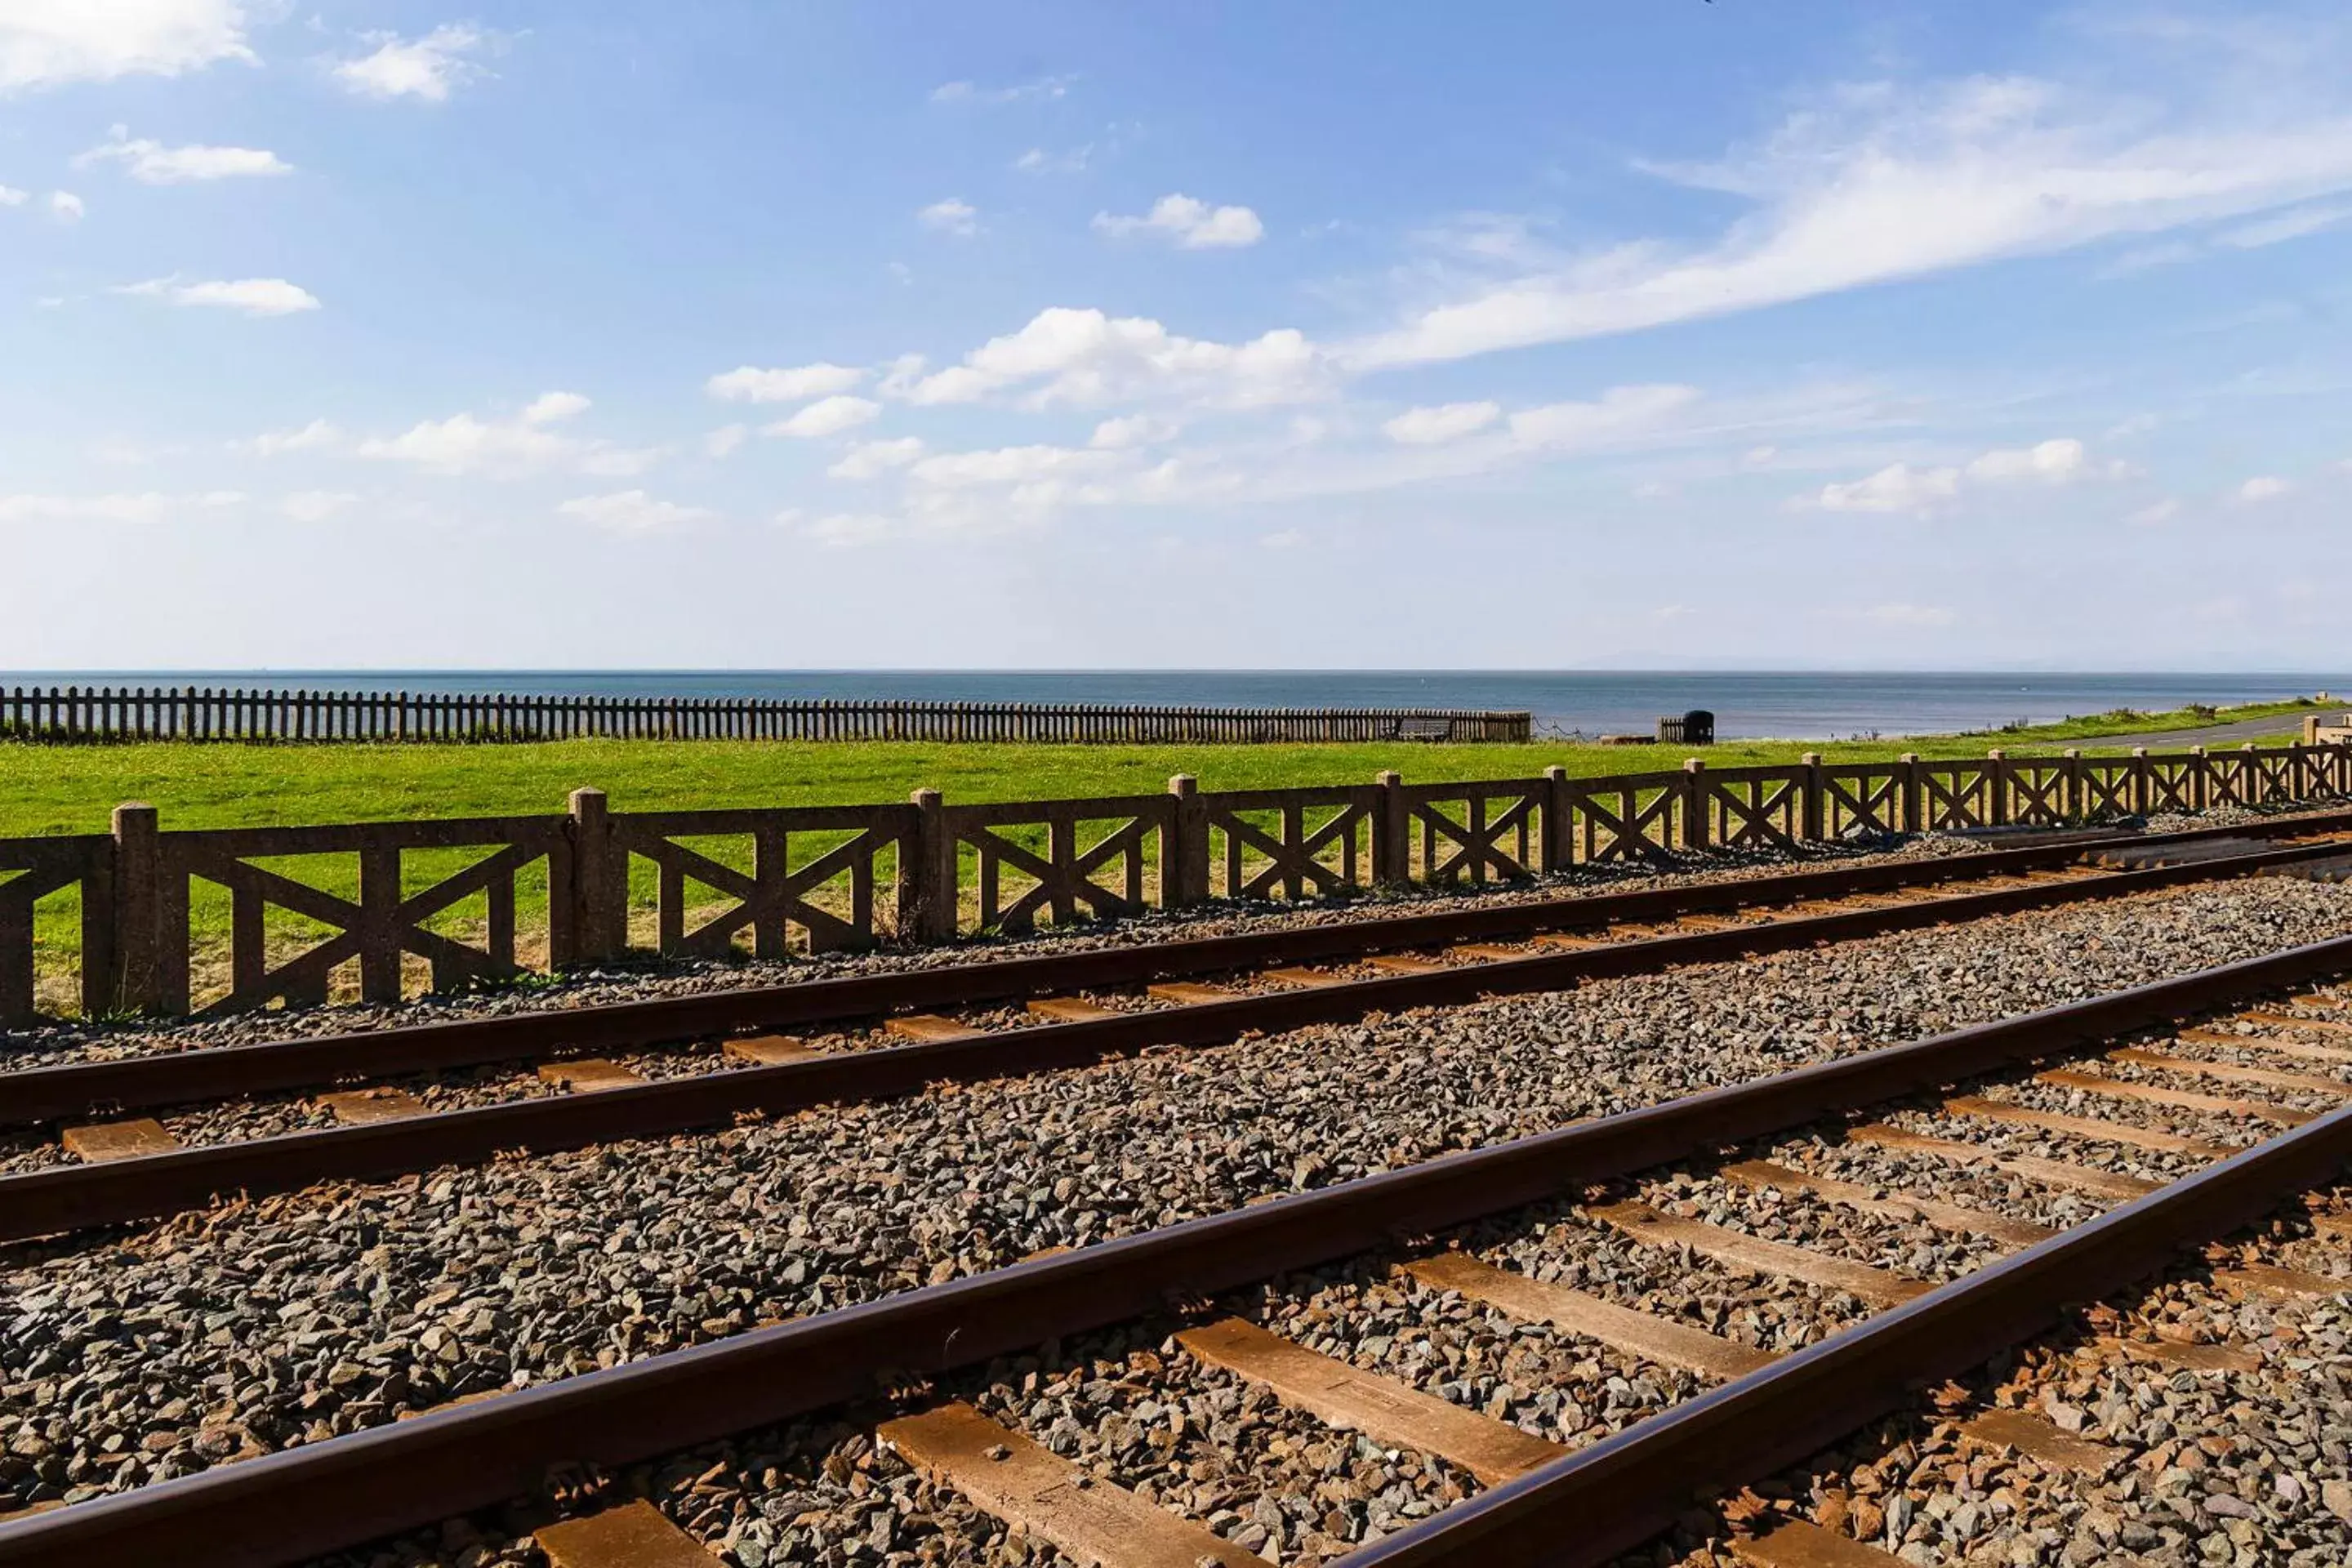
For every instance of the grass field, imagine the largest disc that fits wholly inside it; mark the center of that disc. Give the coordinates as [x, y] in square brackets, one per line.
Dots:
[71, 789]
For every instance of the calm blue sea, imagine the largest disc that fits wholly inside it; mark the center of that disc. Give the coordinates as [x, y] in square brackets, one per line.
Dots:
[1747, 703]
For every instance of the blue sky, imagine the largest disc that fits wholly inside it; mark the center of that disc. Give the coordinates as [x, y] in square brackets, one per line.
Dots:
[1886, 334]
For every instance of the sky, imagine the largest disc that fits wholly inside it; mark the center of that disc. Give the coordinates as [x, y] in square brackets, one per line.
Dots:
[1887, 334]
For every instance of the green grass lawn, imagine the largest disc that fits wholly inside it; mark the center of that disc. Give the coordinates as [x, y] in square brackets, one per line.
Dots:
[71, 789]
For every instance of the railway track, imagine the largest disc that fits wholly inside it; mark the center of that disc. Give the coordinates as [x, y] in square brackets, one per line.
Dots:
[2086, 1146]
[1081, 1007]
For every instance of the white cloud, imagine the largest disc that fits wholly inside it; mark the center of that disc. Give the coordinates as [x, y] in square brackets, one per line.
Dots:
[1037, 161]
[1192, 224]
[318, 435]
[1133, 430]
[428, 68]
[1012, 465]
[509, 448]
[10, 196]
[151, 162]
[2154, 513]
[1446, 421]
[2053, 462]
[148, 506]
[1044, 87]
[68, 207]
[253, 296]
[827, 417]
[44, 42]
[1892, 182]
[554, 407]
[2262, 488]
[1083, 356]
[1900, 487]
[632, 512]
[723, 441]
[870, 459]
[749, 383]
[314, 506]
[952, 214]
[1906, 614]
[1616, 412]
[1281, 539]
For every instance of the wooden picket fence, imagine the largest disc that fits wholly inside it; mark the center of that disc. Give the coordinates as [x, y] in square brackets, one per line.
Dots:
[87, 714]
[133, 920]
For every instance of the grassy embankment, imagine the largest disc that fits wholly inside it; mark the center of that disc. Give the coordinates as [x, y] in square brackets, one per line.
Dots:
[70, 789]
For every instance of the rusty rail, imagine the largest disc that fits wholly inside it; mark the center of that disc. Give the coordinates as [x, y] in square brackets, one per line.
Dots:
[80, 1197]
[287, 1507]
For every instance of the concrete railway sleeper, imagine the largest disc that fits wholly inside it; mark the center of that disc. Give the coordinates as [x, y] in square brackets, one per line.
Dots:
[133, 1169]
[1864, 1321]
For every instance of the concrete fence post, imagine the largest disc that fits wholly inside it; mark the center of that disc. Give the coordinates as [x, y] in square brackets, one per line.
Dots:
[1812, 801]
[1696, 825]
[1913, 793]
[1392, 834]
[934, 869]
[600, 882]
[1558, 821]
[1184, 852]
[138, 983]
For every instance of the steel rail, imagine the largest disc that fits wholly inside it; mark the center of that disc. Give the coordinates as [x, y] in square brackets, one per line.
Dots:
[287, 1507]
[80, 1197]
[1586, 1509]
[38, 1096]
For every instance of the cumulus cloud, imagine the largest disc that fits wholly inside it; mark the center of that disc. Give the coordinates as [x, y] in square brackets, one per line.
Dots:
[251, 295]
[152, 163]
[632, 512]
[749, 383]
[1891, 181]
[45, 42]
[429, 67]
[2155, 512]
[67, 207]
[827, 417]
[722, 442]
[1446, 421]
[318, 435]
[1084, 356]
[1900, 487]
[1192, 224]
[1620, 411]
[10, 196]
[870, 459]
[2262, 488]
[952, 215]
[531, 442]
[1133, 430]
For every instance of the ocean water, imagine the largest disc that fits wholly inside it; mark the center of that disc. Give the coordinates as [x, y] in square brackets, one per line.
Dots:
[1748, 704]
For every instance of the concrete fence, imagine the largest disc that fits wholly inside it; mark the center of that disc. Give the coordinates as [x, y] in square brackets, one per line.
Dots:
[144, 919]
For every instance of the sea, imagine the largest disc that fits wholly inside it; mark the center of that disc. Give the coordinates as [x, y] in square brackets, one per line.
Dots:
[1748, 704]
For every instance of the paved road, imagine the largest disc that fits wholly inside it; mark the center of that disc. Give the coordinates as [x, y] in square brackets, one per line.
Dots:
[2236, 734]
